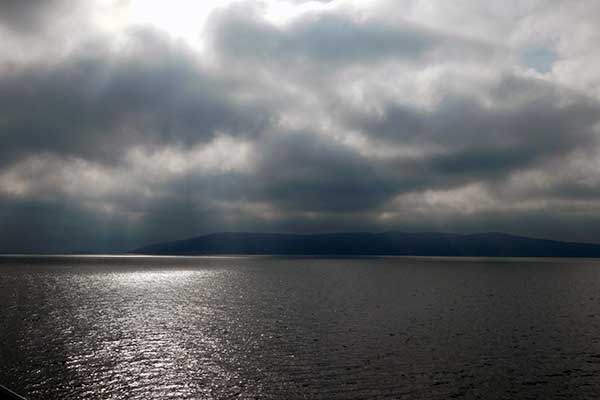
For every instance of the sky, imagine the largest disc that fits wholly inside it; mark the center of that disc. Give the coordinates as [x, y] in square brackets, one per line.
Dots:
[128, 122]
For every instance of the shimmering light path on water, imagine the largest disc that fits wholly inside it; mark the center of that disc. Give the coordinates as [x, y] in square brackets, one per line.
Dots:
[274, 327]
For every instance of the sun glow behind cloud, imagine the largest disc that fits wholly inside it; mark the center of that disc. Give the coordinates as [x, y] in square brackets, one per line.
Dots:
[180, 18]
[186, 19]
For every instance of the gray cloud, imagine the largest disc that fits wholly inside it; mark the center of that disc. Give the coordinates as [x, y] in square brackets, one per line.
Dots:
[98, 102]
[329, 40]
[331, 121]
[305, 172]
[29, 16]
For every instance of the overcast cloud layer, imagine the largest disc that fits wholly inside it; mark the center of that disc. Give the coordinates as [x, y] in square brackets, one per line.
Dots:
[129, 122]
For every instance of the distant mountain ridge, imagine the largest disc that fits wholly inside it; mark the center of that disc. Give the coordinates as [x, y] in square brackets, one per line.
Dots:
[386, 243]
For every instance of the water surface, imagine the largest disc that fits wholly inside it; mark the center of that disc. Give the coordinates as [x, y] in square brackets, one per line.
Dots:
[295, 328]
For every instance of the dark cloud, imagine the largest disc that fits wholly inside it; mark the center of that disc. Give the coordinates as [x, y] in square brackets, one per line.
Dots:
[99, 102]
[28, 16]
[302, 171]
[38, 225]
[470, 138]
[327, 122]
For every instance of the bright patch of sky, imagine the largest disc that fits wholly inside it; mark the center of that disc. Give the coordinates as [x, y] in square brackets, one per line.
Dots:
[540, 59]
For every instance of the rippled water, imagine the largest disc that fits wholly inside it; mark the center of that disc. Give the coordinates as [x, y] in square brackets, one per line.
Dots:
[293, 328]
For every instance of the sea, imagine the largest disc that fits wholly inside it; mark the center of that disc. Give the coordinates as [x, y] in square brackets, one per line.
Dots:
[119, 327]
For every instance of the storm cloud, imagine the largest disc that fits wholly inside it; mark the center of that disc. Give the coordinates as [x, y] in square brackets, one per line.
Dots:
[123, 125]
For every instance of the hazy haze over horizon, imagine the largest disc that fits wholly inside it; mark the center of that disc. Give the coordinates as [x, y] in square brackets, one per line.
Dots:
[131, 122]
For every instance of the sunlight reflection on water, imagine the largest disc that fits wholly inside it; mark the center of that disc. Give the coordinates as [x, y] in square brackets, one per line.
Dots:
[208, 328]
[150, 340]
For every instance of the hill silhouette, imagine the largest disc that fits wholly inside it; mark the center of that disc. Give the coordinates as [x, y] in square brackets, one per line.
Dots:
[387, 243]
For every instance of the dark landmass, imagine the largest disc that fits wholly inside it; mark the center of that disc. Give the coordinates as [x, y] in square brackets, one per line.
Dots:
[388, 243]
